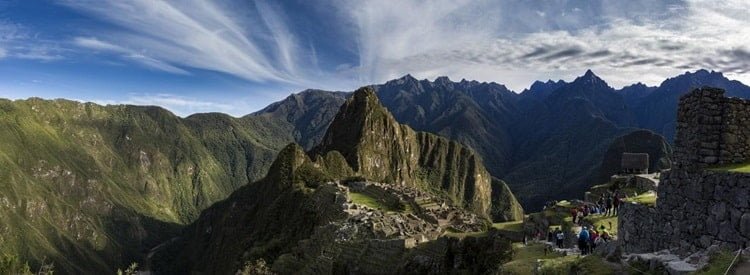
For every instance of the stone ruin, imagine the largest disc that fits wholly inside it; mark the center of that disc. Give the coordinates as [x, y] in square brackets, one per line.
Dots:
[711, 129]
[428, 218]
[634, 163]
[698, 208]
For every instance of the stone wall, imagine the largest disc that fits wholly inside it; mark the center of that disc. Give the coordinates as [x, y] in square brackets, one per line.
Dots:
[711, 129]
[696, 207]
[693, 212]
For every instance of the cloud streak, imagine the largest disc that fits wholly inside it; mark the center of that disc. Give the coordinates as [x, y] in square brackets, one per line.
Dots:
[509, 41]
[254, 44]
[180, 105]
[519, 41]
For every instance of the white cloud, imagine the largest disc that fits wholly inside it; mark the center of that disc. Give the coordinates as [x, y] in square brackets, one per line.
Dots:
[511, 42]
[180, 105]
[96, 44]
[517, 42]
[233, 38]
[17, 41]
[145, 60]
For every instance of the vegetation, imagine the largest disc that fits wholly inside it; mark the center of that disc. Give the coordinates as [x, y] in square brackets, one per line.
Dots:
[258, 267]
[609, 222]
[131, 270]
[532, 259]
[366, 200]
[647, 198]
[10, 264]
[516, 226]
[738, 168]
[719, 262]
[100, 184]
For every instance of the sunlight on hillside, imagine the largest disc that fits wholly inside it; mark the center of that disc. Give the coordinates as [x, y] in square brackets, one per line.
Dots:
[363, 199]
[528, 258]
[738, 168]
[647, 198]
[515, 226]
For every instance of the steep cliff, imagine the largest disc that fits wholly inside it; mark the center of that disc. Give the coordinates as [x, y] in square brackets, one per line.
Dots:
[381, 149]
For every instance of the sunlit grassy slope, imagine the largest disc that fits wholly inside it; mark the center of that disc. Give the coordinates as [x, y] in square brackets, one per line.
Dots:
[739, 168]
[88, 187]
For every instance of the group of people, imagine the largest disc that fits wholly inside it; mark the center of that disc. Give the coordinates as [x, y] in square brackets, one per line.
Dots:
[588, 239]
[610, 203]
[557, 237]
[606, 205]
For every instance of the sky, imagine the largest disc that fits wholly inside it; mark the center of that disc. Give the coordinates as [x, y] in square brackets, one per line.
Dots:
[237, 56]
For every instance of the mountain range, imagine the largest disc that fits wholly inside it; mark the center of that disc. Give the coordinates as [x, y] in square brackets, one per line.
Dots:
[306, 196]
[93, 187]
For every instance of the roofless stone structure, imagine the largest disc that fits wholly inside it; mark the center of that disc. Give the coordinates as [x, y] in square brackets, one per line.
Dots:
[634, 163]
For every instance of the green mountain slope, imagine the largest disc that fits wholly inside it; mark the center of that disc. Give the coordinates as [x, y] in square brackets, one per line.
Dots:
[90, 187]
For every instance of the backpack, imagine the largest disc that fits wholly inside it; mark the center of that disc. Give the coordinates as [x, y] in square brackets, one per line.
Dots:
[560, 236]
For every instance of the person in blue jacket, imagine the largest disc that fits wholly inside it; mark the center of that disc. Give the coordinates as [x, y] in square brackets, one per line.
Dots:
[583, 241]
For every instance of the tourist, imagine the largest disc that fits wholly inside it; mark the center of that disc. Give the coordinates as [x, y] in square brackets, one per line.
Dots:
[579, 218]
[600, 204]
[574, 213]
[586, 210]
[560, 237]
[551, 236]
[592, 240]
[617, 201]
[604, 234]
[608, 210]
[583, 240]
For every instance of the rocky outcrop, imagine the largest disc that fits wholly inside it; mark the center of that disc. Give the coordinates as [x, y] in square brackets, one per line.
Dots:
[380, 149]
[505, 207]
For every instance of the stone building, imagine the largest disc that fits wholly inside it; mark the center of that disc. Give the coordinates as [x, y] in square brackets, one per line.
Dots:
[634, 163]
[698, 207]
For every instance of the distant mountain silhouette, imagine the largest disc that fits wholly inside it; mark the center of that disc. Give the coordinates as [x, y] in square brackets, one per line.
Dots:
[658, 110]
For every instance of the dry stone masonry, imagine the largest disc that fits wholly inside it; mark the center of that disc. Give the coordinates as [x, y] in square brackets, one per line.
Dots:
[698, 208]
[711, 129]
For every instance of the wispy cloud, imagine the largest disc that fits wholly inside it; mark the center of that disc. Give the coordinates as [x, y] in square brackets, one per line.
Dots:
[516, 42]
[250, 41]
[180, 105]
[141, 58]
[508, 41]
[16, 41]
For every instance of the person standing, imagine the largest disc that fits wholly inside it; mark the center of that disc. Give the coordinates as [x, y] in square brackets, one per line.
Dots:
[574, 213]
[559, 237]
[608, 210]
[593, 239]
[583, 241]
[616, 203]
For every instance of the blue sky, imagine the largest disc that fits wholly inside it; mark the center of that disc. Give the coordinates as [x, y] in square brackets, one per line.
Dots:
[238, 56]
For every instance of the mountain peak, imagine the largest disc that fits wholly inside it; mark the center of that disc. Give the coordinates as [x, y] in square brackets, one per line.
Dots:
[589, 75]
[442, 80]
[359, 117]
[589, 78]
